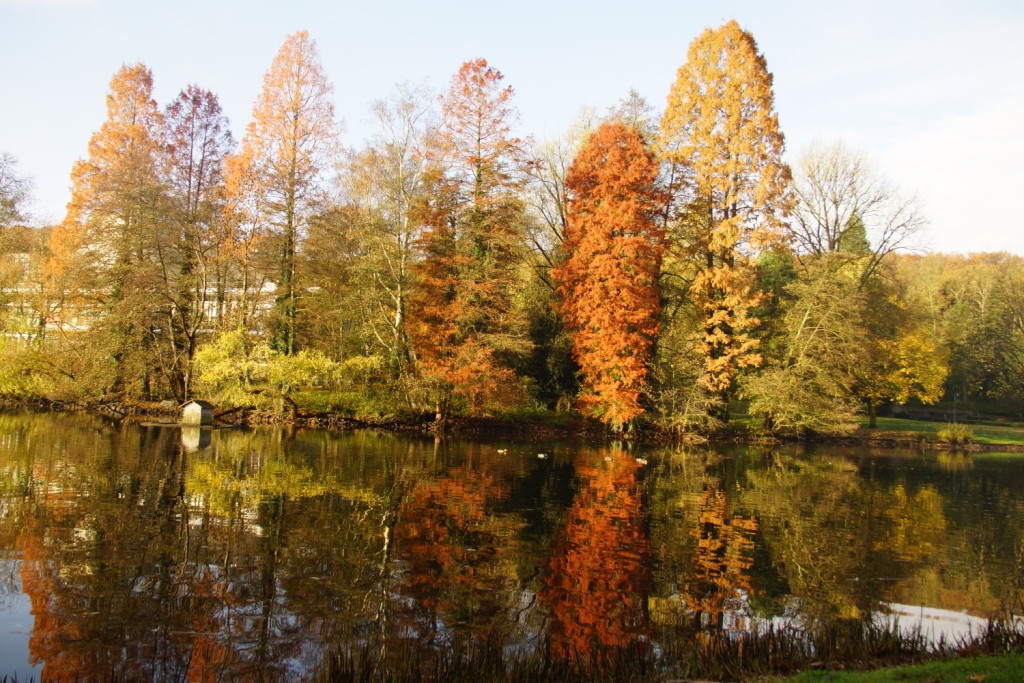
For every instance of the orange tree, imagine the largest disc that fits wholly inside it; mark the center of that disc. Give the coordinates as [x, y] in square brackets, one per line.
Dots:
[463, 322]
[112, 236]
[287, 150]
[607, 281]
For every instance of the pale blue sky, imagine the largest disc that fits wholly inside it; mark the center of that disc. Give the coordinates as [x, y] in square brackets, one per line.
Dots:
[933, 90]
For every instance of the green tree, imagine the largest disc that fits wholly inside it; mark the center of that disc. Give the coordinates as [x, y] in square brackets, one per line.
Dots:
[975, 305]
[818, 339]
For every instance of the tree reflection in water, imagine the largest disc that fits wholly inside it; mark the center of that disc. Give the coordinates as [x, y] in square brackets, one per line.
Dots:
[720, 579]
[255, 556]
[598, 574]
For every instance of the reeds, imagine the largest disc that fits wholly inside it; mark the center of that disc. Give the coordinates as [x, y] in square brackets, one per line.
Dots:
[680, 653]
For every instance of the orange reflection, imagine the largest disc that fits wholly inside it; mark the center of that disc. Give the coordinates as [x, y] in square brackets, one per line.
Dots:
[598, 576]
[721, 563]
[452, 551]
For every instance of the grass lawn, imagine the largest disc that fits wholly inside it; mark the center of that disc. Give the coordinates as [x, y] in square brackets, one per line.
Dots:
[983, 433]
[1000, 669]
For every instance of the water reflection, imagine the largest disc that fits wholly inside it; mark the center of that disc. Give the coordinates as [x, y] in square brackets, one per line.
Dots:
[252, 556]
[598, 573]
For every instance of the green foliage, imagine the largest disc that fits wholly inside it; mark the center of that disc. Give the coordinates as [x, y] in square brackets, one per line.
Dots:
[548, 369]
[958, 433]
[819, 341]
[20, 375]
[234, 371]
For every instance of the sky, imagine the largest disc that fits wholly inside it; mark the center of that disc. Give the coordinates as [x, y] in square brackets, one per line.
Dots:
[931, 91]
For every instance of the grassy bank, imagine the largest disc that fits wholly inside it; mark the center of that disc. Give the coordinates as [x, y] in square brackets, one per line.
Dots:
[899, 428]
[992, 669]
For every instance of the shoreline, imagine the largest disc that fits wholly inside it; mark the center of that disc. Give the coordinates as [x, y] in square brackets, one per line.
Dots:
[577, 428]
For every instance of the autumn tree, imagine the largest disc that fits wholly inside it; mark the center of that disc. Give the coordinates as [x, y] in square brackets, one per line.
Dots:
[722, 561]
[113, 224]
[902, 359]
[196, 140]
[464, 325]
[720, 138]
[287, 149]
[599, 579]
[608, 282]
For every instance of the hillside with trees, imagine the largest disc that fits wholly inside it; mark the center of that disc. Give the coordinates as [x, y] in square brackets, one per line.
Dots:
[662, 269]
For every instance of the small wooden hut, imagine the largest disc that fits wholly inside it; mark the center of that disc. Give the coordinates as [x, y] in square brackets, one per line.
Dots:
[197, 413]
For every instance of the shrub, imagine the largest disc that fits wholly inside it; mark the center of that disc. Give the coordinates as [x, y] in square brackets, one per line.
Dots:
[956, 433]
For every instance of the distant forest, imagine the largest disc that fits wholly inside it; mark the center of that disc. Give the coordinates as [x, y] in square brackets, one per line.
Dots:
[664, 267]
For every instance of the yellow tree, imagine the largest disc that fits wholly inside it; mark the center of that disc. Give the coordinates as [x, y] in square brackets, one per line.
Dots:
[720, 139]
[288, 147]
[902, 359]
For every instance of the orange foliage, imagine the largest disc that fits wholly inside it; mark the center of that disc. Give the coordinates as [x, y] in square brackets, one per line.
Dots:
[608, 282]
[289, 145]
[461, 318]
[722, 559]
[447, 549]
[599, 573]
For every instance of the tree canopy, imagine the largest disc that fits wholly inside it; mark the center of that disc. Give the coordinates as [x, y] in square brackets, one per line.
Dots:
[647, 268]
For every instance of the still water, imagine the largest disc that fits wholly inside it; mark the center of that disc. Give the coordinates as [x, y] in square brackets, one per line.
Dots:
[146, 552]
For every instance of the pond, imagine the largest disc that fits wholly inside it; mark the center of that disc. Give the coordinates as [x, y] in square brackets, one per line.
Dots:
[145, 552]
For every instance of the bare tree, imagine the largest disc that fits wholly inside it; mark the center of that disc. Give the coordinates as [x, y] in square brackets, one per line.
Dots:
[546, 197]
[14, 192]
[841, 200]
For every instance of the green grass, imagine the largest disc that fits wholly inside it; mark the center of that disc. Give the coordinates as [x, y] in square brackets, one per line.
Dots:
[982, 433]
[996, 669]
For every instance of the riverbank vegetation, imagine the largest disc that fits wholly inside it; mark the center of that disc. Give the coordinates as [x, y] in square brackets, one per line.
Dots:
[661, 269]
[847, 652]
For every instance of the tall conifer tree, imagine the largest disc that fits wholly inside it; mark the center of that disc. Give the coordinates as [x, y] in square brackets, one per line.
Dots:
[464, 325]
[288, 147]
[113, 226]
[720, 136]
[608, 280]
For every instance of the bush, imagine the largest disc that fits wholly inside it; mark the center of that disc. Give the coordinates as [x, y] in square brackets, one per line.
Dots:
[956, 433]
